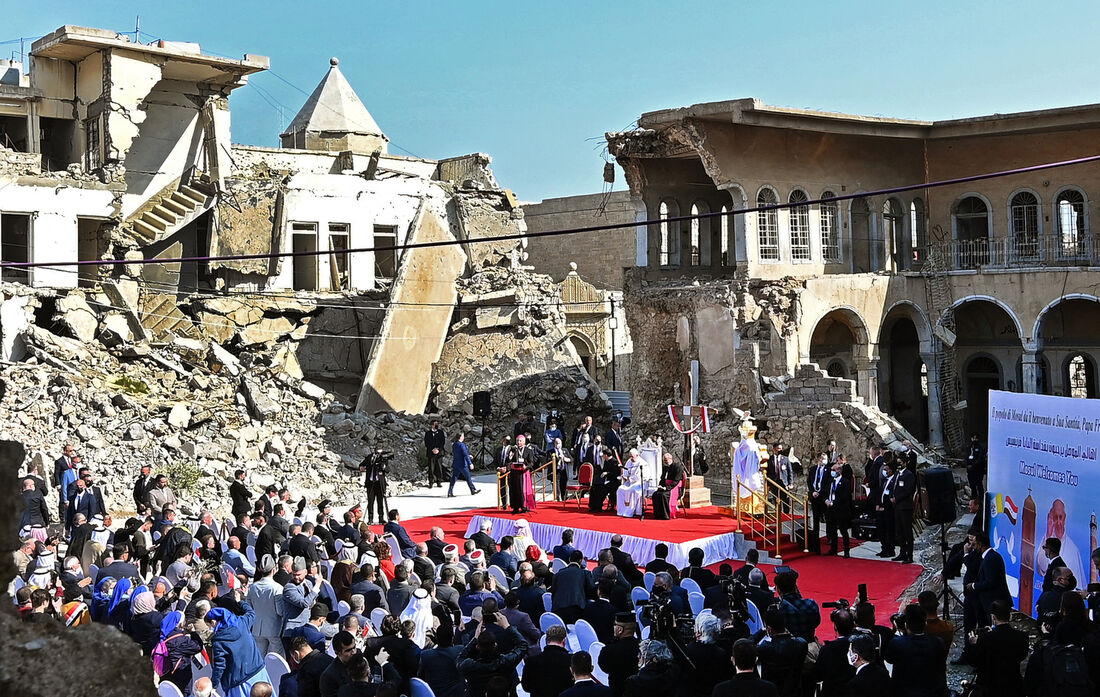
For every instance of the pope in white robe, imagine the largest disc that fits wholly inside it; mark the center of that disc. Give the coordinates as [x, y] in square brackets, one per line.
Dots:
[629, 500]
[746, 468]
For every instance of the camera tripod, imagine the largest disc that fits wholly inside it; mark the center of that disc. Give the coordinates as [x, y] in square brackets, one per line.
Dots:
[948, 593]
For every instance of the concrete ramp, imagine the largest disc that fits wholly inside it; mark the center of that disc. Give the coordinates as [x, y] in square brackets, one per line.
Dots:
[399, 374]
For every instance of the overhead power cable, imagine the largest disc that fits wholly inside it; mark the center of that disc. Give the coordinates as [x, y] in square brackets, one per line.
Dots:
[565, 231]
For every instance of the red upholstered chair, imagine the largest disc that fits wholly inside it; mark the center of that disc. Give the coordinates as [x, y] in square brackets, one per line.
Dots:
[584, 483]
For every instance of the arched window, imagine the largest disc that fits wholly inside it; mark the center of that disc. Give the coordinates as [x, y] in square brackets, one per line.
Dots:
[694, 243]
[918, 234]
[669, 254]
[1069, 212]
[767, 225]
[892, 229]
[1080, 377]
[800, 226]
[1024, 214]
[972, 232]
[724, 231]
[829, 223]
[836, 369]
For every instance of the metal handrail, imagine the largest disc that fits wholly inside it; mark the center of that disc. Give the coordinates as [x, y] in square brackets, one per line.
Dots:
[770, 515]
[1021, 251]
[793, 500]
[539, 479]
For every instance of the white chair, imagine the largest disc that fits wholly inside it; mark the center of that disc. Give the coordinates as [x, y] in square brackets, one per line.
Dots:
[648, 579]
[755, 622]
[328, 565]
[395, 548]
[276, 668]
[690, 586]
[558, 564]
[595, 650]
[696, 601]
[338, 545]
[343, 608]
[168, 689]
[542, 643]
[250, 554]
[414, 579]
[586, 635]
[645, 632]
[156, 535]
[498, 575]
[547, 601]
[419, 688]
[548, 620]
[638, 594]
[520, 692]
[297, 521]
[376, 616]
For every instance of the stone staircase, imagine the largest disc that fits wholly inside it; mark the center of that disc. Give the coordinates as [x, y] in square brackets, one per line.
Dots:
[620, 401]
[171, 209]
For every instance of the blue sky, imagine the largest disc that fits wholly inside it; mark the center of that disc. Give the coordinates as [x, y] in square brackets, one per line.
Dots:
[536, 85]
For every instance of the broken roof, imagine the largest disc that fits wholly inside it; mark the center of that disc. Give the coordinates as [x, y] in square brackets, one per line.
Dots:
[334, 108]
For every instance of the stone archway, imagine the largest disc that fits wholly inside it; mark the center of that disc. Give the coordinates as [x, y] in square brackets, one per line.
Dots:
[839, 344]
[1066, 339]
[903, 376]
[987, 346]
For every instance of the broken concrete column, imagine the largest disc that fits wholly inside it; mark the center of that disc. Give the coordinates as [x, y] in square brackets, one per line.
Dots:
[259, 404]
[74, 313]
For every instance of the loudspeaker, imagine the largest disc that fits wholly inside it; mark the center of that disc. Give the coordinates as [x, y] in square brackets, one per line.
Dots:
[939, 484]
[483, 404]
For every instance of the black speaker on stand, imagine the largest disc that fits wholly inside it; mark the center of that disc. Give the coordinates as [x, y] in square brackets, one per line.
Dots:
[939, 484]
[483, 408]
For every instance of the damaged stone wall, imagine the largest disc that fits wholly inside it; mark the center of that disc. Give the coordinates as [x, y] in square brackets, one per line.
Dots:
[249, 219]
[480, 213]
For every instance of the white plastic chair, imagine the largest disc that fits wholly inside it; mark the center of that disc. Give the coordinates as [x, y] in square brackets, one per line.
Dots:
[558, 564]
[338, 545]
[376, 616]
[547, 601]
[645, 632]
[755, 622]
[250, 554]
[419, 688]
[690, 586]
[395, 548]
[195, 546]
[343, 608]
[696, 601]
[328, 565]
[168, 689]
[414, 579]
[595, 650]
[520, 692]
[648, 580]
[499, 576]
[276, 668]
[638, 594]
[586, 635]
[548, 620]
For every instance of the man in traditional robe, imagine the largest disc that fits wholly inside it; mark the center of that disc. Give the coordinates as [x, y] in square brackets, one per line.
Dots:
[667, 488]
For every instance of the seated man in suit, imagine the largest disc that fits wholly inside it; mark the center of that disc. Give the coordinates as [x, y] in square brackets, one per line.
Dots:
[505, 559]
[600, 613]
[436, 544]
[565, 549]
[584, 685]
[752, 558]
[483, 538]
[664, 585]
[660, 560]
[745, 682]
[408, 547]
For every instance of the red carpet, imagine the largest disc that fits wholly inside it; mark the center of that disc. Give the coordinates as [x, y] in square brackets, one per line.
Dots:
[821, 578]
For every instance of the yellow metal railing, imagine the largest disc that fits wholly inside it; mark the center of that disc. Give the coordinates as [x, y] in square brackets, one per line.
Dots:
[775, 501]
[544, 480]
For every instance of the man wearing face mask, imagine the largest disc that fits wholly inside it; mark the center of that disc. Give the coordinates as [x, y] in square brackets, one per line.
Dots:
[904, 488]
[871, 678]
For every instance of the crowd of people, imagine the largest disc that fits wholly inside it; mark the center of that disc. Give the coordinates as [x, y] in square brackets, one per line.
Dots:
[357, 611]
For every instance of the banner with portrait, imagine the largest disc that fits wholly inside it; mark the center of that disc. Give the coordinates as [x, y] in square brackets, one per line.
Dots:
[1043, 479]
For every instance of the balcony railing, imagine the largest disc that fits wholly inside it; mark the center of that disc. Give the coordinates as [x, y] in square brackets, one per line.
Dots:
[1022, 252]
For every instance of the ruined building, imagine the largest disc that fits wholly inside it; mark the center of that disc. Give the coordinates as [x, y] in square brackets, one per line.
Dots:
[914, 304]
[261, 337]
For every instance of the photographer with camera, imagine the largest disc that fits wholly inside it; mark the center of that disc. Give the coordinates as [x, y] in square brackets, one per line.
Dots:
[781, 655]
[919, 660]
[866, 624]
[802, 615]
[996, 653]
[707, 661]
[374, 468]
[832, 668]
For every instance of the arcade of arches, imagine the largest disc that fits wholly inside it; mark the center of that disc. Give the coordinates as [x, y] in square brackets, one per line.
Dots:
[900, 375]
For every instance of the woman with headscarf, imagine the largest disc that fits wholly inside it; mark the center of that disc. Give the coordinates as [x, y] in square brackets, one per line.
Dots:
[343, 571]
[181, 647]
[118, 612]
[236, 663]
[101, 599]
[419, 612]
[145, 625]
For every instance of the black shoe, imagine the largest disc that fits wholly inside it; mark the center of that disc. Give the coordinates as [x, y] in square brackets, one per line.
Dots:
[847, 554]
[907, 560]
[450, 495]
[831, 552]
[886, 553]
[475, 491]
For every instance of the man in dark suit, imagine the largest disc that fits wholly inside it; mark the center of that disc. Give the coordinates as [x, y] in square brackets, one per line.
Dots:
[60, 466]
[871, 678]
[82, 501]
[547, 674]
[976, 467]
[400, 591]
[600, 613]
[696, 572]
[436, 544]
[758, 592]
[832, 669]
[745, 682]
[904, 488]
[521, 621]
[781, 656]
[484, 540]
[565, 549]
[142, 484]
[121, 567]
[363, 583]
[884, 507]
[625, 562]
[374, 481]
[439, 668]
[35, 511]
[619, 659]
[1052, 548]
[301, 544]
[997, 654]
[919, 659]
[242, 497]
[991, 583]
[272, 537]
[434, 441]
[408, 547]
[530, 595]
[838, 509]
[817, 481]
[663, 585]
[584, 685]
[571, 589]
[605, 482]
[752, 558]
[614, 438]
